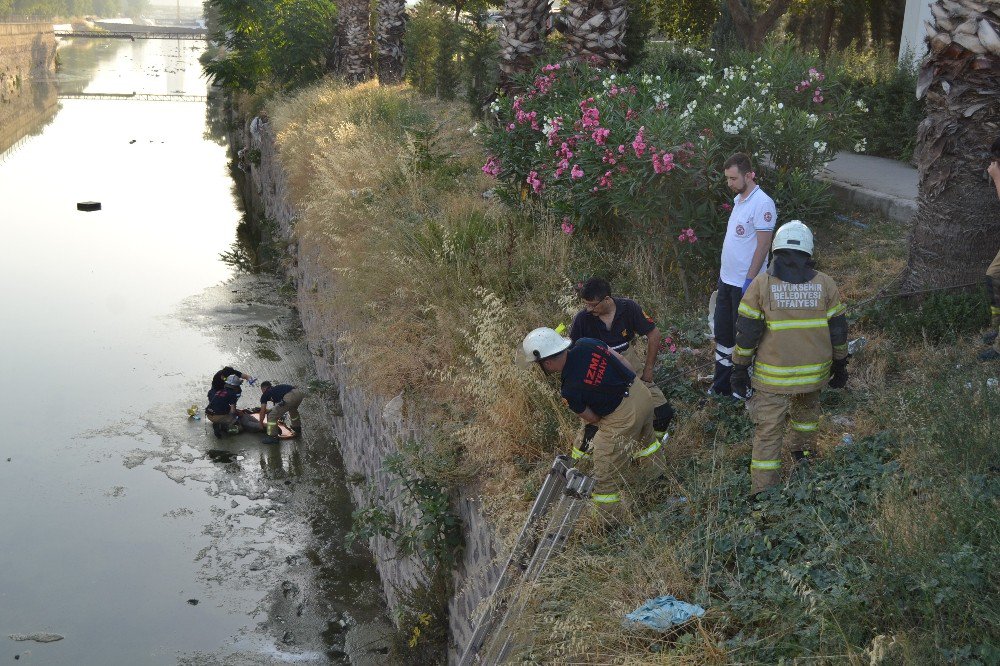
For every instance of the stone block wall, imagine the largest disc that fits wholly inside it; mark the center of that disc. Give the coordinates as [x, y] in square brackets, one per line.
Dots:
[370, 429]
[27, 98]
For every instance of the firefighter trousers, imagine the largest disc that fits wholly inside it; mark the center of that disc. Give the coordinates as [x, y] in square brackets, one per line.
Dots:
[993, 286]
[637, 359]
[769, 413]
[625, 450]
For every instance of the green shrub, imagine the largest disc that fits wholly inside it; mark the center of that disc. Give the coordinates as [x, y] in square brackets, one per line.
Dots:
[888, 90]
[939, 317]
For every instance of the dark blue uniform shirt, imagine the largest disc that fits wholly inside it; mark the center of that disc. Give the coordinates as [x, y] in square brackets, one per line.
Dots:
[628, 322]
[275, 394]
[220, 401]
[593, 377]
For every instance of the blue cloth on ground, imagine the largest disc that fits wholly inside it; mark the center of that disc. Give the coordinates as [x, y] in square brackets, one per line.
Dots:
[663, 613]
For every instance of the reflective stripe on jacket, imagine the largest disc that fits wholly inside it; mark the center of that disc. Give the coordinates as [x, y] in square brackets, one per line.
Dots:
[794, 351]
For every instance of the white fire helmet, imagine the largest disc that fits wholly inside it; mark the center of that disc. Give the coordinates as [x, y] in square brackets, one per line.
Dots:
[234, 380]
[793, 235]
[544, 342]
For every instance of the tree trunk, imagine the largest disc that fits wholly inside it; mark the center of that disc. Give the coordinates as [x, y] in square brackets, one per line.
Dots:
[522, 39]
[391, 27]
[356, 40]
[755, 31]
[957, 228]
[595, 30]
[829, 16]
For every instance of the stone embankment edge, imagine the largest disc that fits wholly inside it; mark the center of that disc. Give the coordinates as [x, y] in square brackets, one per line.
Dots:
[369, 430]
[897, 209]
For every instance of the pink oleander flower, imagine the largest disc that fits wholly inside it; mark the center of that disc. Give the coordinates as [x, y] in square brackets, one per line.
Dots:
[567, 226]
[639, 143]
[492, 166]
[576, 173]
[818, 96]
[591, 118]
[510, 127]
[600, 135]
[816, 75]
[606, 180]
[727, 207]
[803, 85]
[621, 149]
[554, 67]
[535, 182]
[687, 236]
[631, 114]
[609, 157]
[662, 162]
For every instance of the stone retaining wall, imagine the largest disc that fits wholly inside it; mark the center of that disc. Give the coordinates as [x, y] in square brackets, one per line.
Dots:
[370, 429]
[27, 99]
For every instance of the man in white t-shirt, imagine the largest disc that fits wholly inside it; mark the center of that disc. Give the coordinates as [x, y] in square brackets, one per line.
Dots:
[744, 255]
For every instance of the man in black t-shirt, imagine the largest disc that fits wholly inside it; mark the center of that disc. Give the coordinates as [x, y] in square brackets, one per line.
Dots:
[221, 410]
[618, 322]
[599, 386]
[286, 399]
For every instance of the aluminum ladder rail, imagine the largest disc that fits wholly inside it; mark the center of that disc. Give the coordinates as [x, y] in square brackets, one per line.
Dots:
[515, 566]
[575, 497]
[563, 496]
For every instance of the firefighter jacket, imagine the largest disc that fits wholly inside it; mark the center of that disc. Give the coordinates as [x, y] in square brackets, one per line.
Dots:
[796, 330]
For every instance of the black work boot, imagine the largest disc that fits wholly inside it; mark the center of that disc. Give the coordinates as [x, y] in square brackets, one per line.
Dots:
[662, 416]
[217, 430]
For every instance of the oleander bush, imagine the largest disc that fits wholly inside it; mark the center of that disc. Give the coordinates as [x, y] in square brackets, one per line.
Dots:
[640, 153]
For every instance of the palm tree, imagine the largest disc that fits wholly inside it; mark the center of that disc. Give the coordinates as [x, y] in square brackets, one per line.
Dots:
[523, 38]
[389, 39]
[595, 30]
[356, 40]
[955, 231]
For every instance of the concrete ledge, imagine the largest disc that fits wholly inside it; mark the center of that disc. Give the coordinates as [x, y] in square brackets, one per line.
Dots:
[897, 209]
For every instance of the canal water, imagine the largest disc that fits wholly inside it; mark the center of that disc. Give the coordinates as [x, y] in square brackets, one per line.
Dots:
[128, 528]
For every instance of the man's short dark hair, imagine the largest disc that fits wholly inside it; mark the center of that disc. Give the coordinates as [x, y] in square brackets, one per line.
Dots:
[594, 289]
[741, 161]
[265, 385]
[995, 150]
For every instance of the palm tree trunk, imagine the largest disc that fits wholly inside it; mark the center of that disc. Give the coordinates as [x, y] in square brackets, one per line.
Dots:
[356, 40]
[595, 30]
[391, 27]
[957, 227]
[523, 37]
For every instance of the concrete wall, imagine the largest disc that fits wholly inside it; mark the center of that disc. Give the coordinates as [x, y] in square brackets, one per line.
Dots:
[27, 99]
[370, 429]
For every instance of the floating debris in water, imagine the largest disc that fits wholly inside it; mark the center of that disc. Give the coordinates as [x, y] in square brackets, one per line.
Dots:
[38, 637]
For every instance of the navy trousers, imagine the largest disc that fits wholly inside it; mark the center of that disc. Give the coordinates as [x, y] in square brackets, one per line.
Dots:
[727, 304]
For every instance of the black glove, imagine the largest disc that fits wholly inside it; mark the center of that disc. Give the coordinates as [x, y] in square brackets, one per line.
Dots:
[589, 431]
[838, 374]
[739, 381]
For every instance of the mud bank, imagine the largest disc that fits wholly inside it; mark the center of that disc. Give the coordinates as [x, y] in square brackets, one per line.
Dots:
[370, 428]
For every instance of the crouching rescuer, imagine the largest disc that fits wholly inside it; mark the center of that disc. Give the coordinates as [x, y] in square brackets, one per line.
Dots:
[601, 388]
[791, 327]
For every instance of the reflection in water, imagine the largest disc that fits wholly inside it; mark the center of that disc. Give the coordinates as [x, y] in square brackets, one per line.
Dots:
[26, 114]
[254, 250]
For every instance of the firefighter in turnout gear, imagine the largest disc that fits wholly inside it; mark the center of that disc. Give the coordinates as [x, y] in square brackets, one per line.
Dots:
[600, 387]
[792, 329]
[993, 272]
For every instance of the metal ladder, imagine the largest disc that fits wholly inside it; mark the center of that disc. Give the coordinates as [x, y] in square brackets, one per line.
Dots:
[564, 494]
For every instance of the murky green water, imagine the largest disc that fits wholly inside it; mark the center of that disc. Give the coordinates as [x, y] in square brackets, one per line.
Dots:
[115, 518]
